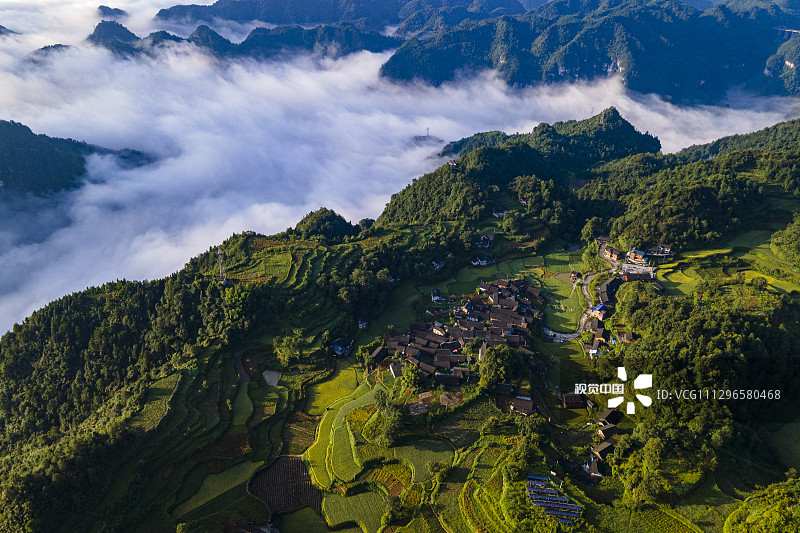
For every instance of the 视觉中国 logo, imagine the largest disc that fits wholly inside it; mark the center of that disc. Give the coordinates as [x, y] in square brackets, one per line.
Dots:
[641, 382]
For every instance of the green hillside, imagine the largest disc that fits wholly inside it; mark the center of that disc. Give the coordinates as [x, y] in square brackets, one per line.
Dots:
[211, 399]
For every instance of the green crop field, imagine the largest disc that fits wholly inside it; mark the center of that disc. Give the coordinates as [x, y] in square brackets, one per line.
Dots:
[317, 454]
[156, 405]
[643, 520]
[564, 305]
[342, 461]
[242, 405]
[420, 453]
[307, 520]
[700, 254]
[341, 454]
[447, 496]
[342, 382]
[563, 262]
[216, 484]
[463, 426]
[678, 279]
[365, 508]
[572, 365]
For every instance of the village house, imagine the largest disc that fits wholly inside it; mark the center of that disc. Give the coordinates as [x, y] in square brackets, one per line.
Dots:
[599, 312]
[607, 431]
[572, 401]
[504, 389]
[637, 276]
[417, 408]
[426, 397]
[396, 369]
[378, 355]
[602, 450]
[612, 253]
[342, 346]
[523, 405]
[448, 399]
[636, 256]
[609, 417]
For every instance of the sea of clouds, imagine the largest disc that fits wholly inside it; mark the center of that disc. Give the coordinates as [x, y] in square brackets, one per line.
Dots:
[246, 145]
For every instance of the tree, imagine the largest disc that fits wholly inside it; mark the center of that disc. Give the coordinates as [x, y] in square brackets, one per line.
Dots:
[499, 364]
[410, 378]
[593, 227]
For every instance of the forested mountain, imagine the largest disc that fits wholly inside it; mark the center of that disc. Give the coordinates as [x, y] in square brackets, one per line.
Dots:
[261, 43]
[39, 164]
[686, 54]
[77, 378]
[551, 153]
[579, 143]
[661, 47]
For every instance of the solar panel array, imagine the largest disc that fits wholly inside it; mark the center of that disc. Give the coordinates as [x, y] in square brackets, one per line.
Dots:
[544, 498]
[559, 507]
[540, 490]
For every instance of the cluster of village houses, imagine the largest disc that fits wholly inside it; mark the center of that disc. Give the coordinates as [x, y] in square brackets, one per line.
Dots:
[502, 315]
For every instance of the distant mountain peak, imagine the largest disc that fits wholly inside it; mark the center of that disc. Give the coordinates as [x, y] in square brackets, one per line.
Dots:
[112, 13]
[111, 30]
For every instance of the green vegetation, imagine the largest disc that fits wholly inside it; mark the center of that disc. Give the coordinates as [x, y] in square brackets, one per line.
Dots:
[157, 402]
[788, 240]
[306, 520]
[687, 61]
[342, 382]
[565, 303]
[39, 164]
[420, 454]
[261, 43]
[216, 484]
[242, 405]
[774, 509]
[364, 508]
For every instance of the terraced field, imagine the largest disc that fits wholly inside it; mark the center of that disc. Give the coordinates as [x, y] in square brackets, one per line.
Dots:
[216, 484]
[420, 453]
[342, 382]
[365, 509]
[317, 455]
[285, 486]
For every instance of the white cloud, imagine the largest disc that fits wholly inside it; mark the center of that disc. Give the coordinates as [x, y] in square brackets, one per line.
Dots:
[244, 146]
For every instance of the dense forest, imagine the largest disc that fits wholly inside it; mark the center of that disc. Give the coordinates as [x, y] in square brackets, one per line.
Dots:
[709, 347]
[39, 164]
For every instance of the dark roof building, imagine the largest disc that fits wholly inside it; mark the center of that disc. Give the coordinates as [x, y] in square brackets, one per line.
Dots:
[523, 406]
[607, 431]
[571, 401]
[602, 450]
[396, 369]
[448, 380]
[378, 355]
[504, 389]
[609, 416]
